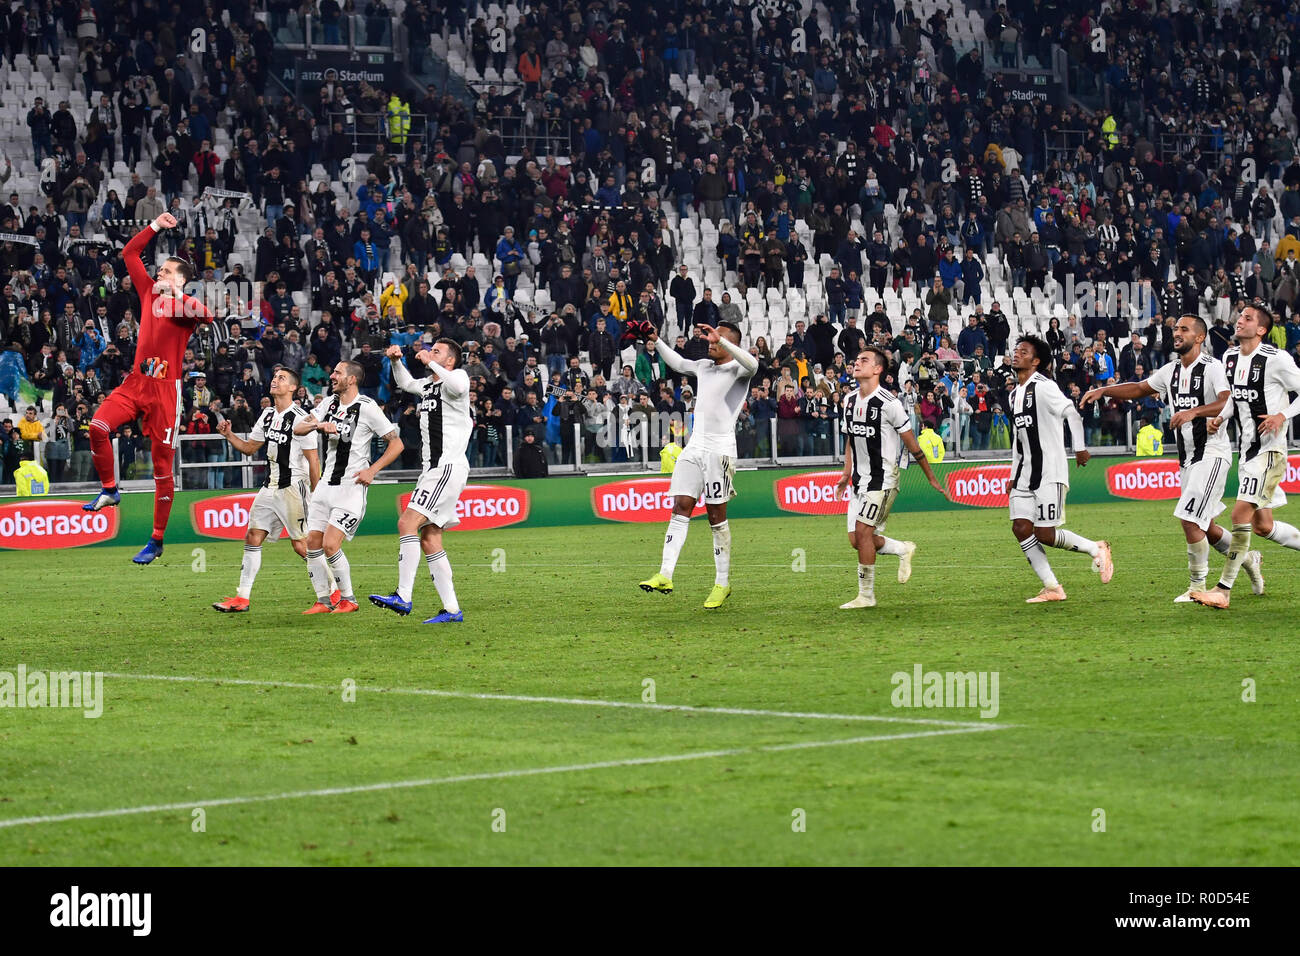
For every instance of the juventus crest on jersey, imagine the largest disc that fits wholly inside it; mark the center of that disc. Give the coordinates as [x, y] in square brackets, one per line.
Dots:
[1260, 383]
[874, 426]
[284, 449]
[1182, 387]
[347, 453]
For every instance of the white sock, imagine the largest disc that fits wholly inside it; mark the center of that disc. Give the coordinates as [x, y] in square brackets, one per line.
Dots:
[408, 558]
[1037, 557]
[674, 538]
[866, 579]
[721, 554]
[1223, 544]
[248, 570]
[1069, 541]
[1288, 536]
[440, 570]
[318, 571]
[890, 546]
[329, 577]
[1237, 552]
[1198, 563]
[342, 573]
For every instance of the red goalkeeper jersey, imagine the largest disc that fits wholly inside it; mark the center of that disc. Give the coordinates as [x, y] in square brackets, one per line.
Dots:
[166, 322]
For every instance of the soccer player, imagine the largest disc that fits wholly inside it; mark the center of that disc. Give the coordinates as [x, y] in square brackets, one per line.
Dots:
[876, 425]
[707, 467]
[153, 388]
[1039, 473]
[1196, 387]
[349, 420]
[294, 470]
[446, 422]
[1259, 379]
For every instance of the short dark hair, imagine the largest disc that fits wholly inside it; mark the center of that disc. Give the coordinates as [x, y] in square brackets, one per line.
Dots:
[455, 348]
[1197, 322]
[185, 267]
[731, 327]
[1041, 349]
[297, 379]
[881, 355]
[1266, 317]
[352, 368]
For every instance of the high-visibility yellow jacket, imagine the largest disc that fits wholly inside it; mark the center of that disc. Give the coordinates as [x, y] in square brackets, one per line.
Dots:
[1150, 442]
[399, 120]
[931, 444]
[31, 480]
[1108, 131]
[668, 457]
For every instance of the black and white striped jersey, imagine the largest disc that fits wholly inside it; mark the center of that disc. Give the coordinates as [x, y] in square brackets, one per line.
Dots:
[347, 453]
[1039, 411]
[446, 419]
[1182, 387]
[284, 449]
[1260, 384]
[873, 425]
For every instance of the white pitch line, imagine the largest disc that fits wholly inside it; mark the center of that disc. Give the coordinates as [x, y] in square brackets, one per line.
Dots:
[471, 777]
[575, 701]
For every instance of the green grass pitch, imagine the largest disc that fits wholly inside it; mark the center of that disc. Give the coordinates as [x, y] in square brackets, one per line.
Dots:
[1116, 700]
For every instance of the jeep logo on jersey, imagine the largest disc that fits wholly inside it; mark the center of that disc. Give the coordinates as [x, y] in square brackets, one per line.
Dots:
[484, 506]
[984, 486]
[811, 494]
[641, 499]
[225, 516]
[1291, 483]
[1150, 480]
[54, 523]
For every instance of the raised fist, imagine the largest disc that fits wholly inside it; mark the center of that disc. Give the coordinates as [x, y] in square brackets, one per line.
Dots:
[166, 221]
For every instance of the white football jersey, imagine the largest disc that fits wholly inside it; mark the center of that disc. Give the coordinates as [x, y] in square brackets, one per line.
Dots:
[347, 453]
[1039, 410]
[874, 426]
[1182, 387]
[719, 395]
[446, 419]
[284, 449]
[1260, 383]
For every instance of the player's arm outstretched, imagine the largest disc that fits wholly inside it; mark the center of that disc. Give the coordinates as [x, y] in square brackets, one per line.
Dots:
[672, 358]
[742, 357]
[918, 455]
[140, 278]
[244, 446]
[1128, 391]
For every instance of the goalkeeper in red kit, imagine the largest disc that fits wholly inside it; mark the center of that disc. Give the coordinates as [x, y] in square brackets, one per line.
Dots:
[153, 388]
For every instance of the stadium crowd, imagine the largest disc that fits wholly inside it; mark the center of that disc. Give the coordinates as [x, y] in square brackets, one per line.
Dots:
[912, 167]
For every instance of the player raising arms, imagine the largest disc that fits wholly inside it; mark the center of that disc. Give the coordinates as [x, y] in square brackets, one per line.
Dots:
[1039, 473]
[445, 425]
[876, 425]
[1259, 379]
[294, 469]
[1195, 386]
[337, 505]
[707, 466]
[153, 388]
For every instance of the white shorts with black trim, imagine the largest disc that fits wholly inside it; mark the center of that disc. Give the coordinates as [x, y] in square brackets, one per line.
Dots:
[276, 508]
[437, 493]
[343, 506]
[1045, 508]
[1202, 496]
[704, 474]
[1259, 480]
[871, 508]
